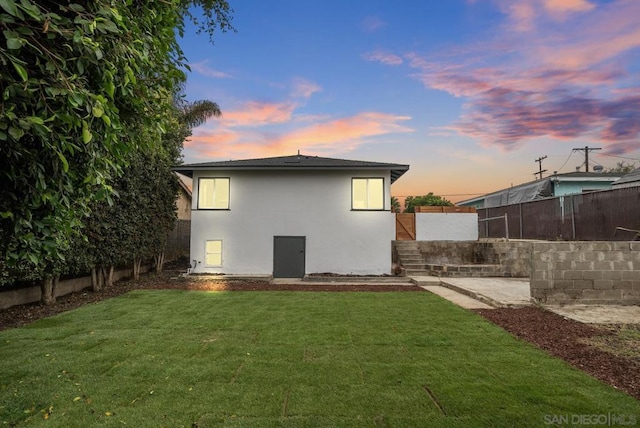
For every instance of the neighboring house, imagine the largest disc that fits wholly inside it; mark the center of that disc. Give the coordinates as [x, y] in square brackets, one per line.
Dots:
[631, 179]
[291, 216]
[183, 203]
[554, 185]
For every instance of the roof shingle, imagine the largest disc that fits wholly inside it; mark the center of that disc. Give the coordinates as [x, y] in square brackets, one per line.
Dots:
[294, 162]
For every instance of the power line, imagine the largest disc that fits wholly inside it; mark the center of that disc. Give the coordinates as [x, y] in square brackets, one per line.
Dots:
[620, 157]
[565, 162]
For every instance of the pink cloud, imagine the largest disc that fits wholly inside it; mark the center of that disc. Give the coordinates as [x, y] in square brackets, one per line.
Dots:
[560, 8]
[328, 137]
[383, 57]
[202, 68]
[601, 38]
[256, 113]
[526, 15]
[303, 88]
[349, 131]
[202, 137]
[563, 80]
[522, 15]
[371, 24]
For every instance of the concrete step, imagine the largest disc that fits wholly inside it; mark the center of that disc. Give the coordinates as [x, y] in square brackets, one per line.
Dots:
[417, 272]
[414, 266]
[425, 280]
[410, 253]
[406, 262]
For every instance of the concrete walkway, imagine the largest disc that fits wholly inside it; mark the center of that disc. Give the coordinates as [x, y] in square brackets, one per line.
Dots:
[497, 292]
[478, 293]
[456, 298]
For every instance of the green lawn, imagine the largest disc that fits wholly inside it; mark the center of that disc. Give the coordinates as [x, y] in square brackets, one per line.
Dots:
[175, 358]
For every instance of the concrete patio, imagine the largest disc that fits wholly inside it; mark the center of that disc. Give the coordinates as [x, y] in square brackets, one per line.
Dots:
[487, 293]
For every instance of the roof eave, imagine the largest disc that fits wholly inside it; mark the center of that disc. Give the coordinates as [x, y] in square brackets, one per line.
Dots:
[396, 170]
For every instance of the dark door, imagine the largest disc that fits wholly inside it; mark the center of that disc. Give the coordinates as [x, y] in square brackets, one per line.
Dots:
[288, 256]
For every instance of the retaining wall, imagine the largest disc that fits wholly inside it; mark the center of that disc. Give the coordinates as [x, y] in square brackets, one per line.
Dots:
[513, 257]
[586, 272]
[32, 294]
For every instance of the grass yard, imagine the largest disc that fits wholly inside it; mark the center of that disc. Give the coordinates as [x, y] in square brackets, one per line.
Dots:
[198, 359]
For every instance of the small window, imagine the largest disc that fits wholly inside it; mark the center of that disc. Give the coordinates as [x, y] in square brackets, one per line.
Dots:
[367, 193]
[213, 256]
[213, 194]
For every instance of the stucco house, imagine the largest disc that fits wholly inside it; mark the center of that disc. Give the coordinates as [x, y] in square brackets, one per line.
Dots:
[548, 187]
[291, 216]
[183, 202]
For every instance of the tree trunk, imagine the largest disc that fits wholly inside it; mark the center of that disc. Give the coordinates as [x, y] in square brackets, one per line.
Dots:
[56, 280]
[108, 276]
[101, 278]
[47, 296]
[96, 279]
[136, 268]
[159, 262]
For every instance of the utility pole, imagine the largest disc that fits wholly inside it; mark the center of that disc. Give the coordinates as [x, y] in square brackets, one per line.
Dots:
[539, 160]
[586, 151]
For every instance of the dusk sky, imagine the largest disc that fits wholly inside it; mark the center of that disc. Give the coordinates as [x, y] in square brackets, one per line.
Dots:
[467, 92]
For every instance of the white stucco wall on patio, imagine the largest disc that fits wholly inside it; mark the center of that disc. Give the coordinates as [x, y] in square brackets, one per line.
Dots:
[446, 226]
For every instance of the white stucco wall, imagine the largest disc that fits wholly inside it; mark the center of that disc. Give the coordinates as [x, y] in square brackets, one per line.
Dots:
[314, 204]
[446, 226]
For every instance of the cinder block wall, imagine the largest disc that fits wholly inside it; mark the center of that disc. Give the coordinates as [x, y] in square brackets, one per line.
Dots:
[513, 256]
[586, 272]
[449, 252]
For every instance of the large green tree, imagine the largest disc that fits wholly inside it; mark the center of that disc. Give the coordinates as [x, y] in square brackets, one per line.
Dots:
[411, 202]
[83, 85]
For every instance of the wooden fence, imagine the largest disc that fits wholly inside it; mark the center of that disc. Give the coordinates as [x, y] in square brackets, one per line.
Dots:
[405, 227]
[178, 241]
[445, 209]
[609, 215]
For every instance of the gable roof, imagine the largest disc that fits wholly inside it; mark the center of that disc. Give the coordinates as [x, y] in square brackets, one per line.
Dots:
[185, 183]
[295, 162]
[631, 177]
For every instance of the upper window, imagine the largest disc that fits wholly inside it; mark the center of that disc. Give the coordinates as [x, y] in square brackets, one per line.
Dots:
[213, 193]
[367, 193]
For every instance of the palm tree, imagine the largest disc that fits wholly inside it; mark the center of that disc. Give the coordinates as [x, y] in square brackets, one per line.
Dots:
[395, 205]
[198, 112]
[187, 115]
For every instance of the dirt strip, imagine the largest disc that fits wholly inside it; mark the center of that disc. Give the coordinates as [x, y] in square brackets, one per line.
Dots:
[573, 342]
